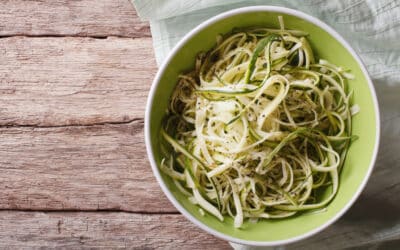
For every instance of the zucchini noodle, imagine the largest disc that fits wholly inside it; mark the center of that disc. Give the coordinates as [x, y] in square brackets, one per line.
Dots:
[259, 128]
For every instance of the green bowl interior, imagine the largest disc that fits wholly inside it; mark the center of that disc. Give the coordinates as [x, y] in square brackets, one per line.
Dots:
[360, 154]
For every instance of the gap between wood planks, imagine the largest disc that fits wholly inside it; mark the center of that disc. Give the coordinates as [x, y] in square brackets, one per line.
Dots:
[75, 36]
[122, 211]
[140, 120]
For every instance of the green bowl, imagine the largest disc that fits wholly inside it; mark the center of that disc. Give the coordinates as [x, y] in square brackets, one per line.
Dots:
[361, 157]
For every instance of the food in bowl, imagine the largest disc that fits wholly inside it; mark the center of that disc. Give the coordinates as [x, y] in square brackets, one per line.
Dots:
[259, 128]
[361, 155]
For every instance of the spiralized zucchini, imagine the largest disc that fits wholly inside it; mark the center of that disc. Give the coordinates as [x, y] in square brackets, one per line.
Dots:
[258, 129]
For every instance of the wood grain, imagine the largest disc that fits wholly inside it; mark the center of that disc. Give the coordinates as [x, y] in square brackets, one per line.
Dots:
[102, 230]
[98, 18]
[78, 168]
[70, 81]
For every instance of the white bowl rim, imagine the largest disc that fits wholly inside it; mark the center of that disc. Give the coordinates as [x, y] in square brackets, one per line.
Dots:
[179, 45]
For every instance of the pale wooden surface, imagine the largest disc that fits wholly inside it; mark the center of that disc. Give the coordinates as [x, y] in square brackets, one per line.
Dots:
[101, 230]
[58, 81]
[74, 77]
[98, 18]
[78, 168]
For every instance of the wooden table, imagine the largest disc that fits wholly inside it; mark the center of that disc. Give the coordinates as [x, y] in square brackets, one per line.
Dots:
[74, 76]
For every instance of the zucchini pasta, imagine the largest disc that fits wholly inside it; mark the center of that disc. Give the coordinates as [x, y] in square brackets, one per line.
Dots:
[259, 128]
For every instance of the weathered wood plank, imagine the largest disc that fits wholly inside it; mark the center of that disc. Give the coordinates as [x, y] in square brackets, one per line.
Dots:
[64, 81]
[102, 230]
[71, 18]
[79, 168]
